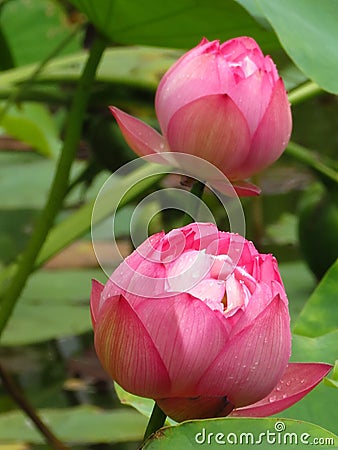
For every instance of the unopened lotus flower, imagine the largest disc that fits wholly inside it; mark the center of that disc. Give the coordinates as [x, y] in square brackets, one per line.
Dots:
[224, 103]
[198, 320]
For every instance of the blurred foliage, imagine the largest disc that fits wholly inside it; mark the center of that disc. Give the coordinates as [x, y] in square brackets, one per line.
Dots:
[47, 346]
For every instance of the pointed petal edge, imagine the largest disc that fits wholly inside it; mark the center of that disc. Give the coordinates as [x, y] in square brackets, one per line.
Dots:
[141, 138]
[127, 352]
[305, 376]
[95, 298]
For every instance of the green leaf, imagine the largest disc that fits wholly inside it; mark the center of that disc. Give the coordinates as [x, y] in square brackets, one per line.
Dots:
[142, 66]
[321, 348]
[32, 123]
[53, 305]
[240, 433]
[299, 283]
[28, 42]
[333, 382]
[318, 406]
[308, 31]
[141, 404]
[320, 314]
[82, 424]
[15, 225]
[284, 231]
[24, 180]
[121, 191]
[175, 23]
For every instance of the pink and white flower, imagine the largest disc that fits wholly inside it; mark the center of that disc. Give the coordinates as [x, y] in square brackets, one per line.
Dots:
[198, 320]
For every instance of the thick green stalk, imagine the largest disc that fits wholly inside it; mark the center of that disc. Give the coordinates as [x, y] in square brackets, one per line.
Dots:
[59, 185]
[303, 92]
[310, 158]
[156, 421]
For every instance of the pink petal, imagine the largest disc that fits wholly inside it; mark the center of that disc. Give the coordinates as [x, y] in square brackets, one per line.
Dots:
[298, 380]
[181, 409]
[141, 273]
[198, 235]
[187, 334]
[235, 294]
[240, 188]
[260, 299]
[141, 138]
[272, 134]
[252, 96]
[252, 361]
[235, 49]
[246, 189]
[201, 71]
[213, 129]
[211, 292]
[95, 298]
[188, 270]
[265, 268]
[127, 352]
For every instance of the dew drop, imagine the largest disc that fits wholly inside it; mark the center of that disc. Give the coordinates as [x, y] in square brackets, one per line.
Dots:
[272, 398]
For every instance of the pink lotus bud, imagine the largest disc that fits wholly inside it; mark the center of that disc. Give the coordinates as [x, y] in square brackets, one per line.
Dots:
[224, 103]
[198, 320]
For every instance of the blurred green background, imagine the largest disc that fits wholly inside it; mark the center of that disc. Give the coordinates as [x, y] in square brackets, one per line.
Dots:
[47, 346]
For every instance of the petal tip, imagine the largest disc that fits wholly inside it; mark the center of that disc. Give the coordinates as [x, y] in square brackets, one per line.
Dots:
[95, 298]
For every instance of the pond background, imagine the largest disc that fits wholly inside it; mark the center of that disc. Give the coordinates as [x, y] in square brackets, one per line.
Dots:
[47, 346]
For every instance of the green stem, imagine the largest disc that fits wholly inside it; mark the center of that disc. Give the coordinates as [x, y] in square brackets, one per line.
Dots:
[304, 92]
[7, 60]
[59, 185]
[15, 93]
[257, 216]
[19, 398]
[156, 421]
[197, 189]
[312, 160]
